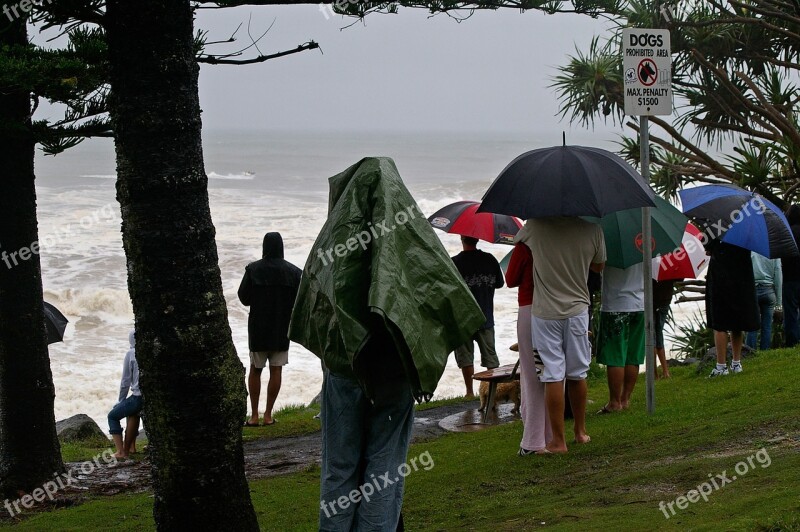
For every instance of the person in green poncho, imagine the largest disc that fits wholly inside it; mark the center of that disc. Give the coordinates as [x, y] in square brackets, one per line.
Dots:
[382, 305]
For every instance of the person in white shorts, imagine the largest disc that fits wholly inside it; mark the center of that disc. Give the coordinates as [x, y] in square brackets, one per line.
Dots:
[564, 250]
[269, 288]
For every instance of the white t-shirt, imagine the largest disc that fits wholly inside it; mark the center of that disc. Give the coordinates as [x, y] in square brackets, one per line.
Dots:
[623, 290]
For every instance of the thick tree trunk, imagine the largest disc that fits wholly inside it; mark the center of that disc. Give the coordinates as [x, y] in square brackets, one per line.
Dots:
[30, 454]
[191, 378]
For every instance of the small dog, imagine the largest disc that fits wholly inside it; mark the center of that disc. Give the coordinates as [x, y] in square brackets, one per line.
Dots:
[506, 391]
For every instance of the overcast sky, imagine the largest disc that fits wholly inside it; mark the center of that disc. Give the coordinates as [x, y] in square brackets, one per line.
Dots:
[408, 72]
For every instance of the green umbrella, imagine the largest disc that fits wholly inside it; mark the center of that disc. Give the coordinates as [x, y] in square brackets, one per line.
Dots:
[623, 232]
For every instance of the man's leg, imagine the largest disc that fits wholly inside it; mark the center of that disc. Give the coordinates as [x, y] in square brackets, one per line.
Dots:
[721, 345]
[611, 347]
[737, 339]
[390, 421]
[577, 398]
[485, 339]
[465, 357]
[273, 388]
[631, 376]
[767, 304]
[577, 356]
[131, 432]
[254, 387]
[126, 407]
[343, 416]
[468, 372]
[616, 384]
[662, 359]
[634, 355]
[554, 399]
[548, 339]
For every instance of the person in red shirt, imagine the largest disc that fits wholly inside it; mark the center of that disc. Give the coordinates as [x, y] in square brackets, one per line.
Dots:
[536, 423]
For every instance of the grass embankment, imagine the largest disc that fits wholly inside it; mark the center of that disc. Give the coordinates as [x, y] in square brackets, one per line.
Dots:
[701, 427]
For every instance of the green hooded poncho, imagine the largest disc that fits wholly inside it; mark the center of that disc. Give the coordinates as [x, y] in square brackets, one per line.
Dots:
[378, 261]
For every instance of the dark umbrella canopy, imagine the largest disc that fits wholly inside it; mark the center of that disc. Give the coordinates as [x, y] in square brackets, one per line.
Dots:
[55, 322]
[741, 218]
[460, 218]
[566, 181]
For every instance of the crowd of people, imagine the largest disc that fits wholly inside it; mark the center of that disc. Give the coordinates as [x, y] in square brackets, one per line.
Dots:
[378, 357]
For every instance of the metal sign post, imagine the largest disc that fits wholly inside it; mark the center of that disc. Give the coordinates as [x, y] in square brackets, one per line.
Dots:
[646, 62]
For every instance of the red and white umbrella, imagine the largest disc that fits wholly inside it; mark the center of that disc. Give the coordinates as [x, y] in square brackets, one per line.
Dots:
[686, 262]
[460, 218]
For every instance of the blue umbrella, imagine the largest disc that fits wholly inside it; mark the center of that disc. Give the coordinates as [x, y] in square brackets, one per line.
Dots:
[741, 218]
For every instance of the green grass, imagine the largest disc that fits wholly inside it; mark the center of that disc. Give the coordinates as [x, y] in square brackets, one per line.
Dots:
[634, 461]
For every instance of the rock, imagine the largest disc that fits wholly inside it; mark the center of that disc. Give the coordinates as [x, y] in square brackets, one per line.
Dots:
[80, 428]
[710, 359]
[688, 361]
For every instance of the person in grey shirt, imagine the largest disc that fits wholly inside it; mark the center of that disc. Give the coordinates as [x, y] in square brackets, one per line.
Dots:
[769, 291]
[128, 406]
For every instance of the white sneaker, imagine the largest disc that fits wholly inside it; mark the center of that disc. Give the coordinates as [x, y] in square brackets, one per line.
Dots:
[720, 372]
[736, 368]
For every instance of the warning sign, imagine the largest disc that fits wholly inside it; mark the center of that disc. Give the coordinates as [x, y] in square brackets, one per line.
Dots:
[647, 65]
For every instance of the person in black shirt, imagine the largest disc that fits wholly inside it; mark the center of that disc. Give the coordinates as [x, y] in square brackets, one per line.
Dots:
[269, 288]
[483, 275]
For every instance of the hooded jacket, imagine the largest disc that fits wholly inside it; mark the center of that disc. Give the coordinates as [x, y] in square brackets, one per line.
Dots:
[269, 288]
[130, 371]
[379, 287]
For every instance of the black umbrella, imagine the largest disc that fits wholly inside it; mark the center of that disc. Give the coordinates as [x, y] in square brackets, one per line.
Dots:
[55, 322]
[566, 181]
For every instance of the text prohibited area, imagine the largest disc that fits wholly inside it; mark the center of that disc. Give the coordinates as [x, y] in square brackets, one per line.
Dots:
[647, 66]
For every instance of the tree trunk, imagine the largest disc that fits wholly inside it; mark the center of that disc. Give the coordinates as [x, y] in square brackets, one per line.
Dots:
[30, 454]
[191, 379]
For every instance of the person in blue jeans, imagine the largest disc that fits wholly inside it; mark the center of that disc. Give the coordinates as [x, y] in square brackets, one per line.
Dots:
[791, 284]
[769, 291]
[128, 406]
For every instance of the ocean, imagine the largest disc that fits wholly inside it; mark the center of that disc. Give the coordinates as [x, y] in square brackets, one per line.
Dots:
[258, 182]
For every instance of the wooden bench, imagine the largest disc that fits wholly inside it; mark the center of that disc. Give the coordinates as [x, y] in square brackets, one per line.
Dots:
[494, 377]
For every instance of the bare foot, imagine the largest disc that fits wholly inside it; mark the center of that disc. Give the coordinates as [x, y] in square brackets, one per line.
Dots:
[553, 450]
[469, 394]
[120, 456]
[582, 438]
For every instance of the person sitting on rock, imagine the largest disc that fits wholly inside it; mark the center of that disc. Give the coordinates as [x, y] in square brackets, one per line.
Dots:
[128, 406]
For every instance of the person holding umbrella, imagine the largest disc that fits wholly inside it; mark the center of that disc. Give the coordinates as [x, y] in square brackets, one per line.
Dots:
[564, 250]
[731, 304]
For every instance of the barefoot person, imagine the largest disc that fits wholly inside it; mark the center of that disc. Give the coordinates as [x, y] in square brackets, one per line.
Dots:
[620, 342]
[483, 275]
[564, 249]
[269, 288]
[128, 406]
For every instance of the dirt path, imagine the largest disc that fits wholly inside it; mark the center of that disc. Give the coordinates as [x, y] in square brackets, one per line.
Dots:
[264, 457]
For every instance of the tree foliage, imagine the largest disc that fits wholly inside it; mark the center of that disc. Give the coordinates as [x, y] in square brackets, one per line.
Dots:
[734, 69]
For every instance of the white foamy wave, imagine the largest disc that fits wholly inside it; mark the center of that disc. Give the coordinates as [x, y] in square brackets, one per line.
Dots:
[86, 306]
[100, 176]
[244, 176]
